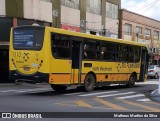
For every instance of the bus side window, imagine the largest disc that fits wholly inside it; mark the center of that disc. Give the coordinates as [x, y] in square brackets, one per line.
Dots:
[89, 50]
[60, 46]
[55, 51]
[85, 51]
[55, 44]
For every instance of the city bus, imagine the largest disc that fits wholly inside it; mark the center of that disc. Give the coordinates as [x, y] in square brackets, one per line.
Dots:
[64, 58]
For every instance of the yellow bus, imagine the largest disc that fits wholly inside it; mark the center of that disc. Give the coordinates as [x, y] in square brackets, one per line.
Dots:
[63, 58]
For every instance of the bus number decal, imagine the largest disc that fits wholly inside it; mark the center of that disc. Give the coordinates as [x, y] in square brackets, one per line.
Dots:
[127, 65]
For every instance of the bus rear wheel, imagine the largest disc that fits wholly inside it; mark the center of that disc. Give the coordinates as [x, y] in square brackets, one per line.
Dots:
[132, 81]
[58, 88]
[89, 83]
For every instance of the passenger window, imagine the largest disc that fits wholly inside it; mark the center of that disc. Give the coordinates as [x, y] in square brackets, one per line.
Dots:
[61, 46]
[91, 50]
[108, 51]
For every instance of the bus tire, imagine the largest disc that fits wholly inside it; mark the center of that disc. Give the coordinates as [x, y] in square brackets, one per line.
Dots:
[58, 88]
[89, 83]
[132, 80]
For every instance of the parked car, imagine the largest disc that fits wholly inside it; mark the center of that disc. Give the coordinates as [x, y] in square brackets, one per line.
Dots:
[153, 71]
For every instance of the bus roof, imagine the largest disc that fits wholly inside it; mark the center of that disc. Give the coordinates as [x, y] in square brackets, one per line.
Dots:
[90, 36]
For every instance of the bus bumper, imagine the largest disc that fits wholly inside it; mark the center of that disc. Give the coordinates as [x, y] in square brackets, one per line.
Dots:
[35, 78]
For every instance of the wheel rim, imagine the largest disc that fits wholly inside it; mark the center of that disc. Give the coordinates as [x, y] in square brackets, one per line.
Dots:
[88, 83]
[156, 76]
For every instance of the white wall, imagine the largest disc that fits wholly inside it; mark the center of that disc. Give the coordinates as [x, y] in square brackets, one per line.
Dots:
[38, 10]
[2, 8]
[70, 16]
[46, 11]
[112, 25]
[93, 21]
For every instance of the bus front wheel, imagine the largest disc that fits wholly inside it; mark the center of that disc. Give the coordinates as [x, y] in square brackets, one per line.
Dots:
[132, 81]
[58, 88]
[89, 83]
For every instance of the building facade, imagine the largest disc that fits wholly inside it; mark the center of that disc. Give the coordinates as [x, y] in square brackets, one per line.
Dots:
[135, 27]
[95, 16]
[88, 16]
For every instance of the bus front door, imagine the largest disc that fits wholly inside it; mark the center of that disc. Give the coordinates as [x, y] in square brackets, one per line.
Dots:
[76, 62]
[144, 65]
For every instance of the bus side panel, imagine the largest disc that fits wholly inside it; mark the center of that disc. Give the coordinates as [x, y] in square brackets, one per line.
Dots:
[110, 71]
[60, 79]
[60, 71]
[45, 53]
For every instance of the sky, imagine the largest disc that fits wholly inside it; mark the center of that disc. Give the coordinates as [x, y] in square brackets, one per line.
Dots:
[149, 8]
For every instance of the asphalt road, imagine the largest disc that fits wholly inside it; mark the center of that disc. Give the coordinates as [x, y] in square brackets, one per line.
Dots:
[116, 99]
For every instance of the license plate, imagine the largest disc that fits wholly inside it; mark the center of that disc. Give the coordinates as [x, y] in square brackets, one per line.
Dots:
[26, 68]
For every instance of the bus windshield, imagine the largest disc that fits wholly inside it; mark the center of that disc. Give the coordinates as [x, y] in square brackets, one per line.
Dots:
[28, 38]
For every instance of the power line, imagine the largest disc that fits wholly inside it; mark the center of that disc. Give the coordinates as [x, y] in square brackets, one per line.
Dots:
[147, 7]
[152, 4]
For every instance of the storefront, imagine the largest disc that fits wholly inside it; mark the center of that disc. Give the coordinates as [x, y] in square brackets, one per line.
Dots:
[70, 28]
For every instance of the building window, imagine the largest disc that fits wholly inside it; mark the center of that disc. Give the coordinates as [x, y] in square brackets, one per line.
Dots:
[94, 6]
[71, 3]
[156, 35]
[46, 0]
[111, 10]
[128, 29]
[147, 32]
[138, 30]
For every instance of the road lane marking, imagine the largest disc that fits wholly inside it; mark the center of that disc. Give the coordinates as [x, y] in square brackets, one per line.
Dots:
[83, 104]
[151, 102]
[116, 94]
[140, 105]
[74, 93]
[131, 96]
[8, 91]
[147, 82]
[106, 103]
[27, 90]
[97, 93]
[144, 100]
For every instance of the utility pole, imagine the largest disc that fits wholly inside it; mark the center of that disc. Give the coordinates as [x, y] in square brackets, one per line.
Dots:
[56, 14]
[137, 36]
